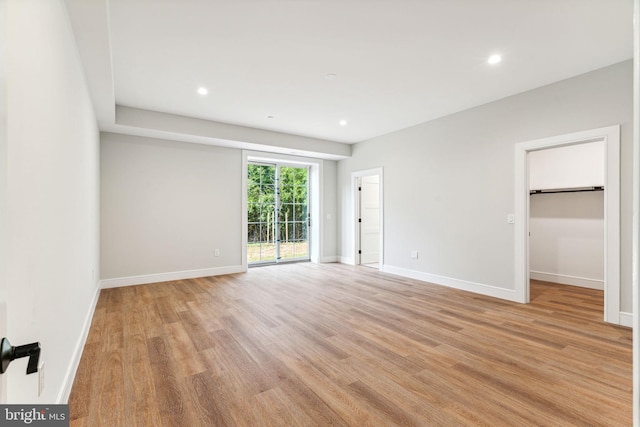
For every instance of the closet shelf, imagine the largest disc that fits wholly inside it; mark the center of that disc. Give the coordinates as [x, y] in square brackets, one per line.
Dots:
[567, 190]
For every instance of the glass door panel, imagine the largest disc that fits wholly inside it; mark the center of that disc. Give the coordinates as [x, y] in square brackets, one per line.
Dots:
[294, 217]
[278, 213]
[261, 213]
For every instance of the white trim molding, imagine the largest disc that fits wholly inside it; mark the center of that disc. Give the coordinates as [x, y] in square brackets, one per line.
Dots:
[464, 285]
[564, 279]
[70, 375]
[635, 257]
[347, 260]
[610, 136]
[167, 277]
[626, 319]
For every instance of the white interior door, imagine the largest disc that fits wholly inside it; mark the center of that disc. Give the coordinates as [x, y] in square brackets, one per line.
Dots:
[3, 184]
[3, 333]
[369, 219]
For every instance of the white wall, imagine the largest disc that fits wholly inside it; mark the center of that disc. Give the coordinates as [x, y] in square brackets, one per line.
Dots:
[448, 183]
[329, 217]
[567, 238]
[574, 166]
[166, 206]
[4, 223]
[51, 197]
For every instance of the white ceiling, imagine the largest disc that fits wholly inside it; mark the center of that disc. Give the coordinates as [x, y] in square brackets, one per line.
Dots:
[398, 62]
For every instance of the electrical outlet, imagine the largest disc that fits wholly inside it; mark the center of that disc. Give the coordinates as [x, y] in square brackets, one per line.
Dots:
[414, 254]
[216, 252]
[40, 379]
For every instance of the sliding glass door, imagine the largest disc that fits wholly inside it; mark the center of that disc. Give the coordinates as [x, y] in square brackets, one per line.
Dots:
[261, 209]
[277, 213]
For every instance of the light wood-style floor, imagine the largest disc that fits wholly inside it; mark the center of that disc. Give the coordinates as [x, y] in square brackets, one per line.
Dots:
[322, 345]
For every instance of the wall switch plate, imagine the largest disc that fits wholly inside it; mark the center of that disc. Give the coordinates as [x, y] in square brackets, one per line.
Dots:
[511, 218]
[414, 254]
[216, 252]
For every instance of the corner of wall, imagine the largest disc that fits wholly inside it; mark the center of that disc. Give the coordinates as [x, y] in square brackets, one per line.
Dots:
[67, 385]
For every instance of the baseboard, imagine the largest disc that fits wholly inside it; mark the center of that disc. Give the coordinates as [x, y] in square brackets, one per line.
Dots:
[348, 261]
[564, 279]
[464, 285]
[626, 319]
[67, 384]
[167, 277]
[329, 259]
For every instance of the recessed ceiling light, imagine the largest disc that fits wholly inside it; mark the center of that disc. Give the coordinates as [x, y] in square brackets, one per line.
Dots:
[342, 122]
[494, 59]
[203, 91]
[330, 76]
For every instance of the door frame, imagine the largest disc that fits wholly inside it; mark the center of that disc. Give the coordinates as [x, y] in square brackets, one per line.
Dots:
[610, 136]
[4, 222]
[355, 176]
[277, 238]
[315, 195]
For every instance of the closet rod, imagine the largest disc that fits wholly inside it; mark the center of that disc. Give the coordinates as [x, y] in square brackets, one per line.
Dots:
[567, 190]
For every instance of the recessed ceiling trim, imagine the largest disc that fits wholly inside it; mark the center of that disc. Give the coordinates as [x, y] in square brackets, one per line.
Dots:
[199, 130]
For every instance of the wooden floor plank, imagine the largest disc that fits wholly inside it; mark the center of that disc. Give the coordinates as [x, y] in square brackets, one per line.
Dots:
[141, 407]
[317, 345]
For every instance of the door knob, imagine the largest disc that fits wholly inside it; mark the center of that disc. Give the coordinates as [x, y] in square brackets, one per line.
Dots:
[9, 353]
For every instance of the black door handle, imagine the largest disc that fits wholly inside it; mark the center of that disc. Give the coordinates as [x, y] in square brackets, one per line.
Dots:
[9, 353]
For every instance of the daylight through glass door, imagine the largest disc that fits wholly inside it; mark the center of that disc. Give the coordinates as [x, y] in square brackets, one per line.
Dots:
[277, 213]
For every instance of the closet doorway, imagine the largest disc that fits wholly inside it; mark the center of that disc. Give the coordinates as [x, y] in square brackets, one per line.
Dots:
[610, 139]
[566, 215]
